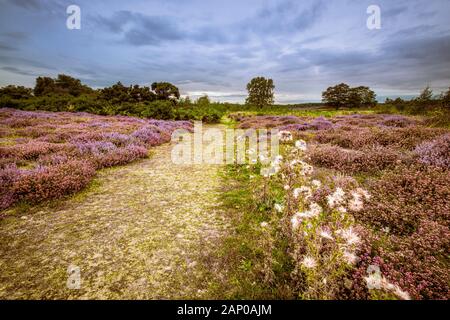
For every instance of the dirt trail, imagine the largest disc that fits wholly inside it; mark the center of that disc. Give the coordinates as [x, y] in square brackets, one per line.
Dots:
[142, 233]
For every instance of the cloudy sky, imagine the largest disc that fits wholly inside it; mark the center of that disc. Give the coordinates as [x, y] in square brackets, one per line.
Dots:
[215, 47]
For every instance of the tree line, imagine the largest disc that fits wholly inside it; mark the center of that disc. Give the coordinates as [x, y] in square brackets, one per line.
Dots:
[162, 100]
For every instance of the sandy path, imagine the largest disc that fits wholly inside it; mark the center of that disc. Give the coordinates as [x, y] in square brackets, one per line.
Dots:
[142, 233]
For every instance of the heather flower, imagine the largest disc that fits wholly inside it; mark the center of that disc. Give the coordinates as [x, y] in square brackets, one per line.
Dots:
[435, 152]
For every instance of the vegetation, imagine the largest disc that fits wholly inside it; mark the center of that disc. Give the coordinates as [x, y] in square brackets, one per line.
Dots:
[260, 92]
[342, 95]
[359, 194]
[48, 155]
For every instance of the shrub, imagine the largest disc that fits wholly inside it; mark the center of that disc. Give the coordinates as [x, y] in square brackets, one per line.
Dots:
[353, 161]
[51, 182]
[159, 109]
[436, 152]
[120, 156]
[402, 198]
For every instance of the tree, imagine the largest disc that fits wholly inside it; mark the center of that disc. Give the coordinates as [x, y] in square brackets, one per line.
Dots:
[260, 92]
[445, 98]
[63, 84]
[364, 97]
[203, 101]
[165, 91]
[342, 95]
[16, 92]
[425, 97]
[336, 96]
[44, 86]
[118, 93]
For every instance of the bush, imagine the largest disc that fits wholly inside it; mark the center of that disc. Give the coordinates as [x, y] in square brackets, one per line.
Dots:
[404, 197]
[159, 109]
[436, 152]
[120, 156]
[51, 182]
[353, 161]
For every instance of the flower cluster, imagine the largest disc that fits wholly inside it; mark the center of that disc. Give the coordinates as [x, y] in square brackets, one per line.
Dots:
[36, 147]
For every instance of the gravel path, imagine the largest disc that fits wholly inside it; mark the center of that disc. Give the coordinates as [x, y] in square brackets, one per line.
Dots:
[147, 230]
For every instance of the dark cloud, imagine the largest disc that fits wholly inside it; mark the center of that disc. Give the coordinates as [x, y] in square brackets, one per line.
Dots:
[139, 29]
[27, 4]
[6, 47]
[18, 71]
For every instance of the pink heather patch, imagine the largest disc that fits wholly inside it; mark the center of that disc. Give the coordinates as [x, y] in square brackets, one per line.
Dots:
[61, 151]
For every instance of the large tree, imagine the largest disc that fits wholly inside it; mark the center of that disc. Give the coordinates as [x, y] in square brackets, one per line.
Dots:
[165, 91]
[260, 92]
[16, 92]
[63, 84]
[342, 95]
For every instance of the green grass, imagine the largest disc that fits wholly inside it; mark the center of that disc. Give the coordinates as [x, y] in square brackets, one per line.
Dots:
[243, 252]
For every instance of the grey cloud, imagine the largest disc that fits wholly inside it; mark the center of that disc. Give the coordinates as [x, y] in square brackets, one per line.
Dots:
[139, 29]
[18, 71]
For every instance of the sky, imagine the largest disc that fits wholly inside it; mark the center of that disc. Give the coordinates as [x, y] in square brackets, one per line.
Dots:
[215, 47]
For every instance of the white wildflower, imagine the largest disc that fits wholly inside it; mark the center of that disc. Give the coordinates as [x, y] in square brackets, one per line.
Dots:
[309, 262]
[306, 169]
[326, 234]
[341, 209]
[363, 193]
[386, 229]
[286, 187]
[264, 224]
[350, 236]
[350, 257]
[336, 198]
[301, 145]
[304, 190]
[355, 204]
[295, 221]
[264, 172]
[278, 207]
[315, 209]
[316, 183]
[373, 281]
[401, 294]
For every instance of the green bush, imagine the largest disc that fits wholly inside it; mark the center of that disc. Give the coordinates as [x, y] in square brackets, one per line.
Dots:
[159, 109]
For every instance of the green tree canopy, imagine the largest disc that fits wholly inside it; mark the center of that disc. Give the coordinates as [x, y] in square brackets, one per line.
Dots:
[16, 92]
[165, 91]
[260, 92]
[342, 95]
[63, 84]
